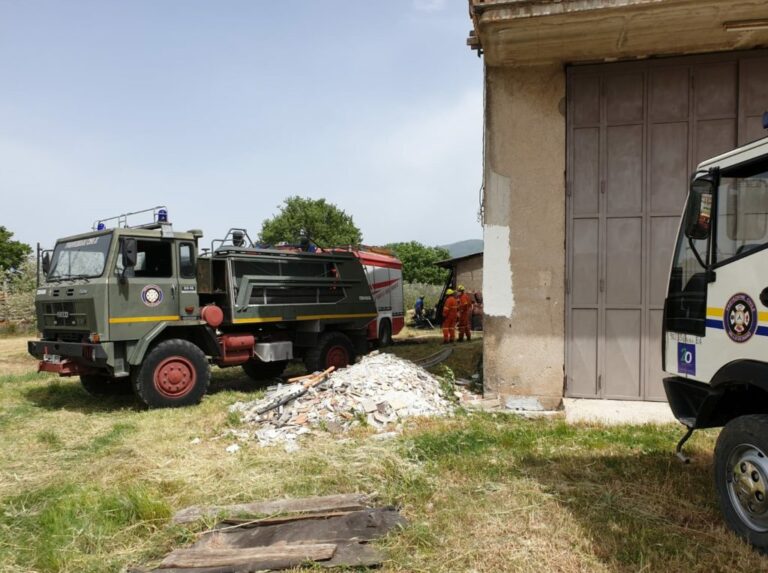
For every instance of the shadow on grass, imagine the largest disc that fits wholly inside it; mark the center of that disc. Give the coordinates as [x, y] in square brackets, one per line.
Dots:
[70, 395]
[234, 379]
[639, 508]
[645, 511]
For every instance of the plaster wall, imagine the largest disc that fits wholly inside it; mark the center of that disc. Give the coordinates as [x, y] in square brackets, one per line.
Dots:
[524, 232]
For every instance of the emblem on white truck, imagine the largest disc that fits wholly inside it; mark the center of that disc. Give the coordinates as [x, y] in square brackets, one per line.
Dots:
[740, 317]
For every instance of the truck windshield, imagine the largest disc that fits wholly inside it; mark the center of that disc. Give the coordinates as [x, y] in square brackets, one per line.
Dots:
[742, 211]
[82, 258]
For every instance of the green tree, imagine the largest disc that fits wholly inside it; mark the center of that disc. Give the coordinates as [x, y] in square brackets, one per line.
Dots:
[419, 262]
[12, 253]
[325, 223]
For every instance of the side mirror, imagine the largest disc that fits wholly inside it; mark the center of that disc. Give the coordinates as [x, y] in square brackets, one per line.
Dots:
[46, 262]
[698, 217]
[129, 253]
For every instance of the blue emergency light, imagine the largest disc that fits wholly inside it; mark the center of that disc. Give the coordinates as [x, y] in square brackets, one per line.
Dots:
[162, 216]
[101, 226]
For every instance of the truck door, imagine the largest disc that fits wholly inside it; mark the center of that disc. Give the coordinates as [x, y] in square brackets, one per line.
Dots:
[146, 294]
[188, 298]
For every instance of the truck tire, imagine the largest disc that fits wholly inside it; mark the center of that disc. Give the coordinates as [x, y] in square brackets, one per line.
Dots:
[261, 371]
[103, 385]
[385, 333]
[741, 478]
[174, 373]
[333, 349]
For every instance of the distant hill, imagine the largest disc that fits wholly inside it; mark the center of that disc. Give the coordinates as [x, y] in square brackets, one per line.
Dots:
[463, 248]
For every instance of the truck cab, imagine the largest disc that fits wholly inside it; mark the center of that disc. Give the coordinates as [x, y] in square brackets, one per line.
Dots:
[106, 291]
[715, 339]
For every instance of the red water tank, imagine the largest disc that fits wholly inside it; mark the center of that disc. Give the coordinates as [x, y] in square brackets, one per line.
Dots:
[213, 315]
[237, 342]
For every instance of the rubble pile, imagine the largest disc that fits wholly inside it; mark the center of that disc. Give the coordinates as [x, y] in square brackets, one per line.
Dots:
[379, 391]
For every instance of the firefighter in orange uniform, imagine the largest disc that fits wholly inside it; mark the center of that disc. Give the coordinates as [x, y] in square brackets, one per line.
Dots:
[450, 308]
[465, 315]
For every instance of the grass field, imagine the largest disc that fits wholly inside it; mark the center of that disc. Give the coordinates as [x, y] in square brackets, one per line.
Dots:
[88, 485]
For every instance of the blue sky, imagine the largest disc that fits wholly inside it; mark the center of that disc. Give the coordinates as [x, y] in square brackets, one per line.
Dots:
[222, 108]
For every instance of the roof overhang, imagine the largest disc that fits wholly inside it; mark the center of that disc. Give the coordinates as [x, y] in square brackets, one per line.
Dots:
[448, 263]
[536, 32]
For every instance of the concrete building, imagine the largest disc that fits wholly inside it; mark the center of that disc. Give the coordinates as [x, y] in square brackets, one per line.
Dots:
[596, 113]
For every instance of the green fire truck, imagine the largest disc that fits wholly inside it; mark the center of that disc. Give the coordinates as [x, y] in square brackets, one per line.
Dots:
[137, 308]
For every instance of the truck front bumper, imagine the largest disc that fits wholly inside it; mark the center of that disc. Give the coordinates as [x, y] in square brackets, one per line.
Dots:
[67, 358]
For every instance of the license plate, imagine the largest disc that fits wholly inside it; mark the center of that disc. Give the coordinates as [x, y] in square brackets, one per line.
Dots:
[52, 358]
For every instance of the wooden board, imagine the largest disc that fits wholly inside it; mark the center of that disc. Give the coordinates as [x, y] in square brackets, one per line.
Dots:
[344, 502]
[285, 555]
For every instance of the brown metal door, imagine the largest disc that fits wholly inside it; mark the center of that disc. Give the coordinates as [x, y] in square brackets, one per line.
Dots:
[635, 133]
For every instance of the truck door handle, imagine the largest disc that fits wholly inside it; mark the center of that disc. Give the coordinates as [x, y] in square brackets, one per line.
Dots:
[173, 291]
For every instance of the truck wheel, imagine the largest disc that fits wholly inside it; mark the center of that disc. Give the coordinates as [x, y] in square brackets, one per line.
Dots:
[741, 478]
[333, 349]
[260, 371]
[174, 373]
[103, 385]
[385, 333]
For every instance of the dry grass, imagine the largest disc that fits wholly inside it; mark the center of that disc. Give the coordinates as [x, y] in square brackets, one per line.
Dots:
[14, 358]
[88, 485]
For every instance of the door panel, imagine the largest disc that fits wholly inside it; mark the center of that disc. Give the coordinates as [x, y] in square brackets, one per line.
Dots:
[714, 137]
[624, 98]
[716, 90]
[624, 181]
[623, 266]
[669, 94]
[585, 98]
[753, 99]
[668, 169]
[586, 177]
[583, 374]
[585, 260]
[622, 354]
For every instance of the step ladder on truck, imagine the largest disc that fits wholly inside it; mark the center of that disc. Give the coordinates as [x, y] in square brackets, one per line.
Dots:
[715, 329]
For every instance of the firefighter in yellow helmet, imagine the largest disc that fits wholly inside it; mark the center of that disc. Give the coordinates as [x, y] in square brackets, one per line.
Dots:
[450, 307]
[465, 314]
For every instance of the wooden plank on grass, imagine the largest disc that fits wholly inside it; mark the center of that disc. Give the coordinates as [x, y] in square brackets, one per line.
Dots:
[343, 502]
[290, 555]
[249, 523]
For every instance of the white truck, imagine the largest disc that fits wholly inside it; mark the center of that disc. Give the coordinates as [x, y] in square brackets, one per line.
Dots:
[715, 339]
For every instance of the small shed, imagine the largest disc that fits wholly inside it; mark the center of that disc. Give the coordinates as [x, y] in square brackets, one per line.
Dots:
[466, 270]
